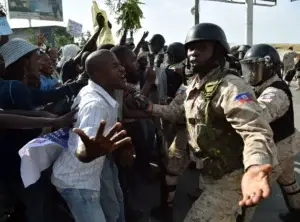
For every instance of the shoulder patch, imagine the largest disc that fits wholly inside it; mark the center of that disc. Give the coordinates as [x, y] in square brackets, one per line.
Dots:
[244, 97]
[267, 97]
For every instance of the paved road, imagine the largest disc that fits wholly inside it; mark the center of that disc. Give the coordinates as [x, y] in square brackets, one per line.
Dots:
[147, 196]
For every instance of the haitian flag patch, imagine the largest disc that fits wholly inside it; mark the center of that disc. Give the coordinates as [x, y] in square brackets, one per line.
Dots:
[244, 97]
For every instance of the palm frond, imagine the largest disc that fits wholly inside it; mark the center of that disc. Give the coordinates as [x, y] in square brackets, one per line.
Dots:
[128, 13]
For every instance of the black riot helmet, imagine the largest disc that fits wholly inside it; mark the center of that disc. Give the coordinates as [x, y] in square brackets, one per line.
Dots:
[207, 32]
[234, 50]
[156, 43]
[260, 63]
[175, 52]
[242, 50]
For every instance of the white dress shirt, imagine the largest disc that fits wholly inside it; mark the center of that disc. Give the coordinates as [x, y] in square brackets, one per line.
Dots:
[94, 104]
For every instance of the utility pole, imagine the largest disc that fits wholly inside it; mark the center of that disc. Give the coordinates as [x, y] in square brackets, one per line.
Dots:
[197, 13]
[249, 22]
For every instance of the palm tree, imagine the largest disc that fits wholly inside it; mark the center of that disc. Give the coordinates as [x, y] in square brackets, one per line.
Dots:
[128, 14]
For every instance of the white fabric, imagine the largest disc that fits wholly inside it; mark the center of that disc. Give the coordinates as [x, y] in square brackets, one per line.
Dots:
[68, 52]
[94, 104]
[35, 159]
[14, 49]
[40, 153]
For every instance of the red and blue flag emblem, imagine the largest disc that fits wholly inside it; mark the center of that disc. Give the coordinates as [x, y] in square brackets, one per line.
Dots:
[244, 97]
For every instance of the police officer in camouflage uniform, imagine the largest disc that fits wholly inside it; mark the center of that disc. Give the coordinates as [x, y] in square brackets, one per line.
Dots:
[261, 69]
[226, 132]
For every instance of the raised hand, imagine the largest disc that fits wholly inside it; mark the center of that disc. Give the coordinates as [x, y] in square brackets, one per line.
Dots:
[145, 35]
[101, 145]
[41, 39]
[100, 20]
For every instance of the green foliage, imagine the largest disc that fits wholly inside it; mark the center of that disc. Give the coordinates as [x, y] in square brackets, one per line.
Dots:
[128, 14]
[61, 37]
[32, 36]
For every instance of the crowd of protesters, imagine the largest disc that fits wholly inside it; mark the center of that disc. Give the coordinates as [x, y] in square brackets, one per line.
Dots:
[119, 109]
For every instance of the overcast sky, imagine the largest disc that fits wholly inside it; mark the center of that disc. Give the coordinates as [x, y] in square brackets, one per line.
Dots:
[172, 18]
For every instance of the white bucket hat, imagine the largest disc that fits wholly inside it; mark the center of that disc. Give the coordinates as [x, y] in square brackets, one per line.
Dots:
[15, 49]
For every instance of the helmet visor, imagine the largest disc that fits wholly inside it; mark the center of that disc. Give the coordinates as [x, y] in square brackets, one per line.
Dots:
[252, 71]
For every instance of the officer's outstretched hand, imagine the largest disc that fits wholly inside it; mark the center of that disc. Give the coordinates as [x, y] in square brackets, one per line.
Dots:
[101, 145]
[255, 184]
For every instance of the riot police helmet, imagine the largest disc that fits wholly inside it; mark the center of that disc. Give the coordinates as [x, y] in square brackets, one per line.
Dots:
[157, 43]
[207, 32]
[260, 63]
[176, 53]
[242, 50]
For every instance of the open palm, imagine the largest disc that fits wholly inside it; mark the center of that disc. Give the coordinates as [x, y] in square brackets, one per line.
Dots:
[255, 184]
[100, 145]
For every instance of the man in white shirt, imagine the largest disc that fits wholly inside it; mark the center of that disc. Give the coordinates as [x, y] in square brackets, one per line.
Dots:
[78, 182]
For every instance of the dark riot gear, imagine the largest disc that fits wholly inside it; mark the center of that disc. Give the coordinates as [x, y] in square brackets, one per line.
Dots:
[176, 48]
[260, 51]
[234, 51]
[242, 50]
[158, 39]
[207, 32]
[260, 63]
[176, 52]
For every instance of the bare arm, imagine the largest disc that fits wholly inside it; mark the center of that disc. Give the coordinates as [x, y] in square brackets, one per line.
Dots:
[8, 121]
[135, 114]
[28, 113]
[146, 88]
[123, 38]
[12, 121]
[90, 46]
[151, 76]
[140, 44]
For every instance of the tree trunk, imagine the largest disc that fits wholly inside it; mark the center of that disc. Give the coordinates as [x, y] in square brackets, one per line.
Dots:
[197, 14]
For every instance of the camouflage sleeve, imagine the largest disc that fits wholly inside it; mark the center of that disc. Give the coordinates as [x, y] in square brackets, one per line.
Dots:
[274, 102]
[237, 101]
[174, 112]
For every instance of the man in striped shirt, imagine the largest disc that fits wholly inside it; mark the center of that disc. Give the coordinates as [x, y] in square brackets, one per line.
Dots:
[79, 182]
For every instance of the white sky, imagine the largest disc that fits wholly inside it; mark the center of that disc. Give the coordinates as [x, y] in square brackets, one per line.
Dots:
[172, 18]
